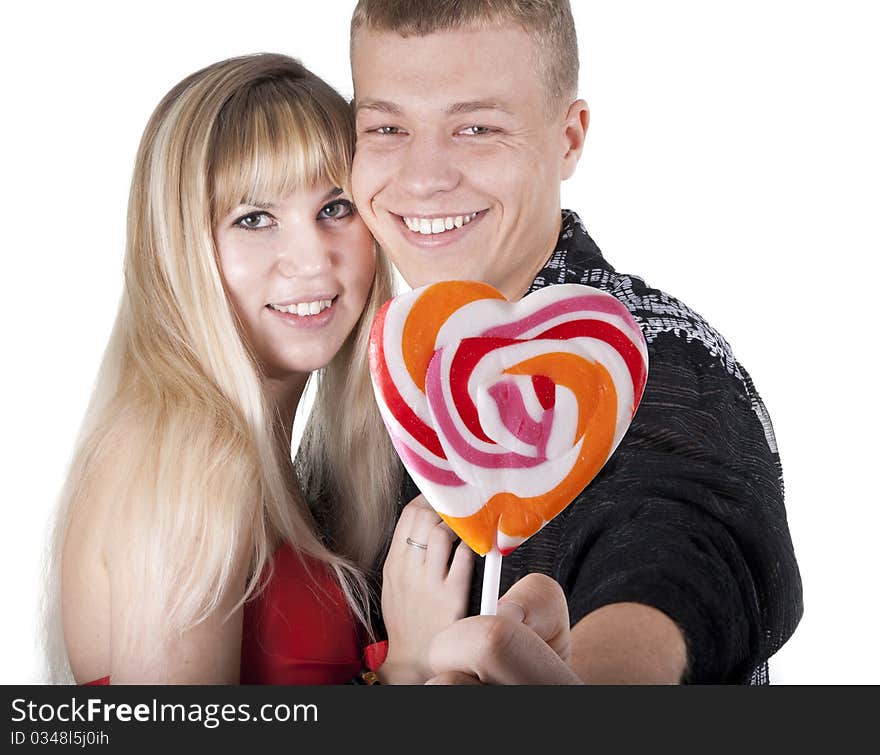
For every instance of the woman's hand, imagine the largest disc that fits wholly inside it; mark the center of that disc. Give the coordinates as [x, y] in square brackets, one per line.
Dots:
[422, 593]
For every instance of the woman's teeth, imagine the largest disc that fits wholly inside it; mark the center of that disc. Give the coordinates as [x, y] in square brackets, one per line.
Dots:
[305, 308]
[428, 226]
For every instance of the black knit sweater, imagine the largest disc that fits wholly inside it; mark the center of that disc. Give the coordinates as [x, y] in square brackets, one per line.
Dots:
[688, 513]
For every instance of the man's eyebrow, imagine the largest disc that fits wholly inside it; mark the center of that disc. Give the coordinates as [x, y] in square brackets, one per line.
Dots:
[457, 108]
[381, 106]
[460, 108]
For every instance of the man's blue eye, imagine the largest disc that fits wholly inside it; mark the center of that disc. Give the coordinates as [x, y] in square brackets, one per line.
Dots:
[475, 130]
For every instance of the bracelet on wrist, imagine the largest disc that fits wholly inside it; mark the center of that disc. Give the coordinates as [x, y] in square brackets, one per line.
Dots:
[366, 676]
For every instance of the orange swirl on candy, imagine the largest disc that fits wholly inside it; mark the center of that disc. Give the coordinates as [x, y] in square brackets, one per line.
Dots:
[427, 315]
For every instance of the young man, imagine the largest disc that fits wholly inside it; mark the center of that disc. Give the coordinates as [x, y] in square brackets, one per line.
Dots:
[676, 561]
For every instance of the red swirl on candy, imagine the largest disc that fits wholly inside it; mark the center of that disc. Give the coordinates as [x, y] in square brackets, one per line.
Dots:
[504, 412]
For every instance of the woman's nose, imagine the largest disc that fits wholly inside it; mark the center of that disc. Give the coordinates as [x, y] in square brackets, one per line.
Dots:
[305, 254]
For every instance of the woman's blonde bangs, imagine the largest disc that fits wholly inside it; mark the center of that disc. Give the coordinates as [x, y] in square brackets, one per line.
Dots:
[277, 137]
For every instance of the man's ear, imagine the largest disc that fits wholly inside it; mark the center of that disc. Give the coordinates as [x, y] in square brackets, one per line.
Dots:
[576, 123]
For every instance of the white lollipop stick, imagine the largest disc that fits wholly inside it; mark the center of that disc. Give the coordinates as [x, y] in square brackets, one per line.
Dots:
[491, 581]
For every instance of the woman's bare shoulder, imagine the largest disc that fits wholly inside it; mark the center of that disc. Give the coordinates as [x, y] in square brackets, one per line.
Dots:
[94, 534]
[118, 517]
[96, 485]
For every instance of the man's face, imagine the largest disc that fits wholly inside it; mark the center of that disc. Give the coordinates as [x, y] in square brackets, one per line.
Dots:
[459, 160]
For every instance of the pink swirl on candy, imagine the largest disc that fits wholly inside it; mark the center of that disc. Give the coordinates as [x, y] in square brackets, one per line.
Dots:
[503, 412]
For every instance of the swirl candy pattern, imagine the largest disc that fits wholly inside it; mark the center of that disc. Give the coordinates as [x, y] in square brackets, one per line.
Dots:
[503, 412]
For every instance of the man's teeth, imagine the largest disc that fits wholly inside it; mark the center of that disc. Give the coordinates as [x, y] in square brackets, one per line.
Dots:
[305, 308]
[428, 226]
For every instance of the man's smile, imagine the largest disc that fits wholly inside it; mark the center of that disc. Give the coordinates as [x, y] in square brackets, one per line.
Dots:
[437, 230]
[438, 224]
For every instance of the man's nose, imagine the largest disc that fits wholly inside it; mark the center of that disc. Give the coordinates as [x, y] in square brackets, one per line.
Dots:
[428, 166]
[304, 253]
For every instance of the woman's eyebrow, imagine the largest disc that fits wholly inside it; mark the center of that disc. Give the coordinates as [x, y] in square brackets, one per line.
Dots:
[247, 202]
[334, 192]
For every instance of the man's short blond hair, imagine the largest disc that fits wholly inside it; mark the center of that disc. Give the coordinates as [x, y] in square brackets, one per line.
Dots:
[549, 22]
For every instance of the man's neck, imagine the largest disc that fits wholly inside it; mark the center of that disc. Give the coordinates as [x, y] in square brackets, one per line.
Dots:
[518, 285]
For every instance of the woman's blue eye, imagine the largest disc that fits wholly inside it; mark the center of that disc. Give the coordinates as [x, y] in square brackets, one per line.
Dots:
[336, 210]
[254, 221]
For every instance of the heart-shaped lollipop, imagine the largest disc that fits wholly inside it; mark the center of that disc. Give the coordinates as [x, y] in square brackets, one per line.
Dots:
[503, 412]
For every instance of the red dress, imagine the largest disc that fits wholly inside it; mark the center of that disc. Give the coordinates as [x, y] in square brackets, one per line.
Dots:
[299, 629]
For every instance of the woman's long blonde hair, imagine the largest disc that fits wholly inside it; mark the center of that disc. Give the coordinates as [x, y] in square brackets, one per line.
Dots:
[206, 470]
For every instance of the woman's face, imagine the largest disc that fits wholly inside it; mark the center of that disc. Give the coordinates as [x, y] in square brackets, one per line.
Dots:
[298, 270]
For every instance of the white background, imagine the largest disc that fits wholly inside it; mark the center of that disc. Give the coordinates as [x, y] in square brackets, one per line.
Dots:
[732, 160]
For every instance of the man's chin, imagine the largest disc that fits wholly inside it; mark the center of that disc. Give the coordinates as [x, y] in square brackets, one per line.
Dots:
[424, 278]
[419, 267]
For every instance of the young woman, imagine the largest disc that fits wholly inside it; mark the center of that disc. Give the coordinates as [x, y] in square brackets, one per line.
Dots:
[189, 548]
